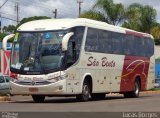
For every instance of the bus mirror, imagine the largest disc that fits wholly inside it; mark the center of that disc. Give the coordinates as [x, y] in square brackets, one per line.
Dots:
[5, 39]
[65, 41]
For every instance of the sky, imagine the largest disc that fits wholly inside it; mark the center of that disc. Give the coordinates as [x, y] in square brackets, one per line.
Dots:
[66, 8]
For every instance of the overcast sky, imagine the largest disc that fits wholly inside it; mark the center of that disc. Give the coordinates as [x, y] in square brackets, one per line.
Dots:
[66, 8]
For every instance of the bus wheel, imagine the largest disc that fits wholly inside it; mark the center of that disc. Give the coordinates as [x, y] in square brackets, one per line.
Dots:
[85, 92]
[38, 98]
[135, 92]
[98, 96]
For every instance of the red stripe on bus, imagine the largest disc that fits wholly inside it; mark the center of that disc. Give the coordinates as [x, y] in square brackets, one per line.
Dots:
[135, 33]
[133, 67]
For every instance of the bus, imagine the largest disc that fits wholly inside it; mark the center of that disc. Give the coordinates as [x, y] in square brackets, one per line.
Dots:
[5, 52]
[4, 59]
[157, 62]
[80, 57]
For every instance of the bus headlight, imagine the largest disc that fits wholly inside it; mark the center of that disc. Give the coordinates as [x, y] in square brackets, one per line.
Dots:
[53, 80]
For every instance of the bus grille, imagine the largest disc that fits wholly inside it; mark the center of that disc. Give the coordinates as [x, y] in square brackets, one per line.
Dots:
[33, 82]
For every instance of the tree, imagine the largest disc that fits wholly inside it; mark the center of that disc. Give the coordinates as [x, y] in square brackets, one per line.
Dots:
[2, 35]
[132, 16]
[106, 10]
[155, 31]
[148, 18]
[12, 28]
[24, 20]
[93, 15]
[9, 29]
[140, 18]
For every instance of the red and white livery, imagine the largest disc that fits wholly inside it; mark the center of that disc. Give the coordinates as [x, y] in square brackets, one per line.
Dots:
[80, 57]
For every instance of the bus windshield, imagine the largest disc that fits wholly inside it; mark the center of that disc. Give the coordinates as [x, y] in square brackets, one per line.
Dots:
[37, 52]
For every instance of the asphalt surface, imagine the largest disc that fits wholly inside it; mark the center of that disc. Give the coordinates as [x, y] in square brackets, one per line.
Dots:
[112, 103]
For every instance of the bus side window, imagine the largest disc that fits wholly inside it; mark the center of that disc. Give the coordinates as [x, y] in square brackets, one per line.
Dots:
[129, 48]
[92, 40]
[105, 41]
[77, 38]
[74, 45]
[71, 56]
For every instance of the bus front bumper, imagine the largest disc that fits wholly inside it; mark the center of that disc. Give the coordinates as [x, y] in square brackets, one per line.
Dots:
[57, 88]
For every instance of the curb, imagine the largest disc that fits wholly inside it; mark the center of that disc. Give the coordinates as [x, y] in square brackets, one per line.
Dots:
[4, 98]
[143, 92]
[150, 92]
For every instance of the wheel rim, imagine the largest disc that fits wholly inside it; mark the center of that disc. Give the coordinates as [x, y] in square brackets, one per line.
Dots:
[86, 91]
[136, 89]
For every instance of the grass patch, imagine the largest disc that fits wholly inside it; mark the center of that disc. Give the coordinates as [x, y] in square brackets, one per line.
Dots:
[155, 89]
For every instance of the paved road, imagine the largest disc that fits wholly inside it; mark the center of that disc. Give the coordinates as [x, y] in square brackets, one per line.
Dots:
[147, 103]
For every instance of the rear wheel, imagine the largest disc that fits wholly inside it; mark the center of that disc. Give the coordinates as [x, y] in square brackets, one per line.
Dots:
[98, 96]
[38, 98]
[135, 92]
[85, 92]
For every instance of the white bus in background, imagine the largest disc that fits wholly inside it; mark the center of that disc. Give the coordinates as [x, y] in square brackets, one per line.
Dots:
[157, 62]
[81, 57]
[5, 52]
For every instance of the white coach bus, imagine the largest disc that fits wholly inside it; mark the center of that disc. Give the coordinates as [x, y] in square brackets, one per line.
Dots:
[81, 57]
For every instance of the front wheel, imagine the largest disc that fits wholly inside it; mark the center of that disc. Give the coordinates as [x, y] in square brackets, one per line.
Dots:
[38, 98]
[85, 92]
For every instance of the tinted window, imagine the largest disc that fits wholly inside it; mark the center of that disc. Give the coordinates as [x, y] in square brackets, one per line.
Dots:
[2, 79]
[105, 41]
[77, 38]
[128, 45]
[149, 47]
[139, 46]
[74, 45]
[117, 43]
[7, 79]
[92, 42]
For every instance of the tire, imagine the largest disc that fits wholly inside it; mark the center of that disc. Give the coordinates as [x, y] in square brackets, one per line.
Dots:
[85, 92]
[38, 98]
[98, 96]
[135, 92]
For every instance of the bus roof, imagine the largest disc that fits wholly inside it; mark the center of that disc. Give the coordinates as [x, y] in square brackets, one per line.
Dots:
[60, 24]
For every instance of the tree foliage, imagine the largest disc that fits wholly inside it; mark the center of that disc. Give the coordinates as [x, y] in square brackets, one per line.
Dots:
[106, 10]
[155, 31]
[24, 20]
[93, 15]
[9, 29]
[140, 18]
[2, 35]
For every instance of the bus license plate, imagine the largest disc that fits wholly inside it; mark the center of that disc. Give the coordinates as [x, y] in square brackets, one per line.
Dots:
[33, 89]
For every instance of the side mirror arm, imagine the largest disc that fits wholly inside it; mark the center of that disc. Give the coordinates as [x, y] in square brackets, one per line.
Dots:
[5, 39]
[65, 41]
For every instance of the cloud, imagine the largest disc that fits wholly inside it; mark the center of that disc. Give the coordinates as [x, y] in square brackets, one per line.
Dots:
[66, 8]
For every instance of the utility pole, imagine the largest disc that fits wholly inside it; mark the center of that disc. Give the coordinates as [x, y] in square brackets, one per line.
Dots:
[55, 13]
[17, 10]
[79, 2]
[0, 14]
[0, 22]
